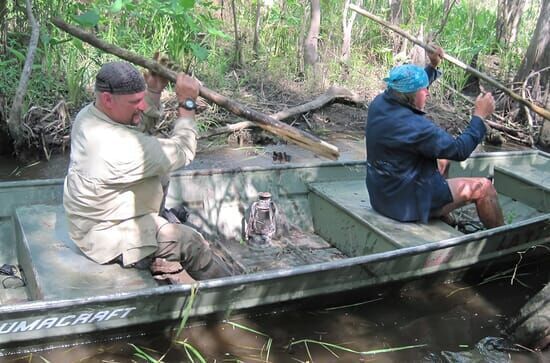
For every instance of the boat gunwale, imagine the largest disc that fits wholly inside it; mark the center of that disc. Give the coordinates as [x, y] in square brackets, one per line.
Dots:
[230, 170]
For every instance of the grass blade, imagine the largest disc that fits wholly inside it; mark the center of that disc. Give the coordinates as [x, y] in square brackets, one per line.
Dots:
[342, 348]
[187, 310]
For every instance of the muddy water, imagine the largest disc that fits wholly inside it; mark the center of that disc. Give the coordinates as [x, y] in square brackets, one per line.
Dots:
[440, 319]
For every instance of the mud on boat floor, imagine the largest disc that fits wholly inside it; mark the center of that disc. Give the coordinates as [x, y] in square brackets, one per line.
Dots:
[296, 248]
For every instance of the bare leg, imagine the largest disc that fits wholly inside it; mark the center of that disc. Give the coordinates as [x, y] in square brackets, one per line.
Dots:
[479, 191]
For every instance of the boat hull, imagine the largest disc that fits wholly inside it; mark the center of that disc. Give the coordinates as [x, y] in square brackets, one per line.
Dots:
[373, 251]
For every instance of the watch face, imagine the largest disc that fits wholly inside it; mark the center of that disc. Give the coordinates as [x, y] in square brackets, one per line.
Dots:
[189, 104]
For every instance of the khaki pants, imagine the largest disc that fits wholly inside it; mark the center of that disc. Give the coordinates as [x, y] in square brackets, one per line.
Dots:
[179, 242]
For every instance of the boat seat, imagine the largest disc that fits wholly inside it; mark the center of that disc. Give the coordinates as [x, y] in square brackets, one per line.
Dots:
[332, 203]
[528, 183]
[55, 268]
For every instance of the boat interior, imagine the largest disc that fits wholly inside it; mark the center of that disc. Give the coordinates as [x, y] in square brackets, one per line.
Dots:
[314, 214]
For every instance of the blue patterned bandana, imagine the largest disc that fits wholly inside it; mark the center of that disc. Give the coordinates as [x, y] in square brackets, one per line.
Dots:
[407, 78]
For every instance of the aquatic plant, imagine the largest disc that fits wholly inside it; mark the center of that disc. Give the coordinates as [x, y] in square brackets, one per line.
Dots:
[267, 345]
[331, 347]
[190, 350]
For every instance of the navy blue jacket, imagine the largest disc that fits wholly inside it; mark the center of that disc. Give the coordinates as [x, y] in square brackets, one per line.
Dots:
[402, 151]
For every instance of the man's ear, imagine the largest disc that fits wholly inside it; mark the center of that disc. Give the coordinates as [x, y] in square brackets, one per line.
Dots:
[106, 99]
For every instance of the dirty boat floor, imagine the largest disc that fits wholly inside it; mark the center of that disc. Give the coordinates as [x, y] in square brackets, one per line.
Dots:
[295, 249]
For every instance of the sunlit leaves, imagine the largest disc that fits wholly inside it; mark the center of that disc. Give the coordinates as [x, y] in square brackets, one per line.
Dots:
[117, 6]
[20, 56]
[181, 28]
[199, 52]
[218, 33]
[88, 19]
[182, 5]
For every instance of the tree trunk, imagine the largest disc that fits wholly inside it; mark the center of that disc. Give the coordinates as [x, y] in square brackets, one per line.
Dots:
[347, 24]
[3, 27]
[396, 12]
[544, 135]
[508, 18]
[310, 43]
[537, 59]
[447, 7]
[531, 327]
[220, 5]
[537, 56]
[256, 43]
[237, 62]
[14, 119]
[395, 18]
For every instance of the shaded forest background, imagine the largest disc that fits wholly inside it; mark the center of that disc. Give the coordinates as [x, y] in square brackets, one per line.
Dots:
[267, 54]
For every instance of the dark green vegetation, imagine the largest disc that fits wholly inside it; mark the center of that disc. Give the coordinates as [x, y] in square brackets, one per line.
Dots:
[239, 47]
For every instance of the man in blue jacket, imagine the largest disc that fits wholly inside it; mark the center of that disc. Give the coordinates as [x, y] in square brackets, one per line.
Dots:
[407, 153]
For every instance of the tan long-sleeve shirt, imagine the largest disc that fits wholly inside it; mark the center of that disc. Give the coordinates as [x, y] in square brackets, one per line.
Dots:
[112, 192]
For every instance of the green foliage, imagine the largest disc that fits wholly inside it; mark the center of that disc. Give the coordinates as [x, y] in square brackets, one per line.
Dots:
[184, 29]
[196, 35]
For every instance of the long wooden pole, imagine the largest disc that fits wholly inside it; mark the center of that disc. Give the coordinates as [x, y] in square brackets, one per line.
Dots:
[281, 129]
[540, 110]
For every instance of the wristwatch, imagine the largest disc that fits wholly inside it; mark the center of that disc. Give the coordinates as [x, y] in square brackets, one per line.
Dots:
[189, 104]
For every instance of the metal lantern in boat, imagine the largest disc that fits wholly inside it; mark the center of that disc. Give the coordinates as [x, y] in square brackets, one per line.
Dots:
[261, 224]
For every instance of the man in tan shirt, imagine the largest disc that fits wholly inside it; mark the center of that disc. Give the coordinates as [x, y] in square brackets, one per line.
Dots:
[113, 192]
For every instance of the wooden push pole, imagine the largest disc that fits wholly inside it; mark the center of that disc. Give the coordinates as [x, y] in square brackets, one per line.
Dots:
[540, 110]
[281, 129]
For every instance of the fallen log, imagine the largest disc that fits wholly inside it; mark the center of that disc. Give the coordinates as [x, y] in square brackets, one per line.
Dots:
[332, 94]
[540, 110]
[287, 132]
[531, 326]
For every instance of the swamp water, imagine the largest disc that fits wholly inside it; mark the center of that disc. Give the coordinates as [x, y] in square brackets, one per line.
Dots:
[431, 320]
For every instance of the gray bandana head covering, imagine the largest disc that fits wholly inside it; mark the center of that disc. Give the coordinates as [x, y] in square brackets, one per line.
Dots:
[120, 78]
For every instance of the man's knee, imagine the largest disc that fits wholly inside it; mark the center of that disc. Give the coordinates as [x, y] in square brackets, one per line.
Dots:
[193, 249]
[471, 189]
[487, 189]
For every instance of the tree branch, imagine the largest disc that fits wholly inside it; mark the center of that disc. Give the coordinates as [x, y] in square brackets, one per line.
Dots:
[333, 94]
[287, 132]
[540, 110]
